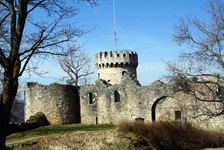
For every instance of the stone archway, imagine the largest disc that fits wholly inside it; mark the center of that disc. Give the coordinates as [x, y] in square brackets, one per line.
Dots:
[153, 109]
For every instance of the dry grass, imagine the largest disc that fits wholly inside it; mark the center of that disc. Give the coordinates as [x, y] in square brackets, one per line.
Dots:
[134, 136]
[172, 136]
[88, 140]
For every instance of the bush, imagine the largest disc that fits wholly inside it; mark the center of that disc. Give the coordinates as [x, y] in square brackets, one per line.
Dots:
[173, 136]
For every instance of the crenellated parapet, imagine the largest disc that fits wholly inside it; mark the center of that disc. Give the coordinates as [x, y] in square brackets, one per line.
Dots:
[113, 59]
[112, 65]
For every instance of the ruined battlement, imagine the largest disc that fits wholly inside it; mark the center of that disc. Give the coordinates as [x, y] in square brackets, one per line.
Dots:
[112, 65]
[113, 59]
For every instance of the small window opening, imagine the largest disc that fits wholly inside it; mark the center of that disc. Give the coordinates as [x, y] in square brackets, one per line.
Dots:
[111, 54]
[139, 119]
[177, 115]
[116, 96]
[96, 120]
[90, 98]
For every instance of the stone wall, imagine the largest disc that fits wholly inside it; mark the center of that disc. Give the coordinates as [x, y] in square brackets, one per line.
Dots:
[103, 103]
[135, 101]
[59, 103]
[138, 102]
[112, 65]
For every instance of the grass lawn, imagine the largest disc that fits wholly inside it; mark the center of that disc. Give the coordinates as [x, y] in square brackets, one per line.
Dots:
[58, 129]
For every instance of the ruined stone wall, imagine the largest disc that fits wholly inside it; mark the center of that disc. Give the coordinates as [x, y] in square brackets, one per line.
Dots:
[103, 103]
[134, 102]
[137, 102]
[109, 108]
[59, 103]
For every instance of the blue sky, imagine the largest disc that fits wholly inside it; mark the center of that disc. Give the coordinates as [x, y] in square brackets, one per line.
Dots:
[144, 26]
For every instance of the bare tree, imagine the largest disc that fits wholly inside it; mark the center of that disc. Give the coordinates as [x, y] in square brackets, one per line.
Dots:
[30, 31]
[77, 67]
[199, 71]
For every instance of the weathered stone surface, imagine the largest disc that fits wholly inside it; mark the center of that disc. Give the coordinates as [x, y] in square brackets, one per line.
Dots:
[39, 119]
[117, 96]
[59, 103]
[112, 65]
[134, 101]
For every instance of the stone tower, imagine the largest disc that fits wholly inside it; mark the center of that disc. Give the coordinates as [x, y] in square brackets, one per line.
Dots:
[112, 65]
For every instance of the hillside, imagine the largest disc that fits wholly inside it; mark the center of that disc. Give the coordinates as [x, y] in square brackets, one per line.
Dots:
[79, 140]
[127, 136]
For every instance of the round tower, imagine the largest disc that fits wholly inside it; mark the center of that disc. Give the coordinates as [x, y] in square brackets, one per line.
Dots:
[112, 65]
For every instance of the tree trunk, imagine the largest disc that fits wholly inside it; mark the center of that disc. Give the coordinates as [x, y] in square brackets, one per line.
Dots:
[10, 86]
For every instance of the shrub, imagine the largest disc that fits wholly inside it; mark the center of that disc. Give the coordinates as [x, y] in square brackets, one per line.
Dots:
[173, 136]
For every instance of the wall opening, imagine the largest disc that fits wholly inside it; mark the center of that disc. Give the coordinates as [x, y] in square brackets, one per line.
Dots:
[116, 96]
[96, 120]
[90, 98]
[153, 109]
[178, 115]
[139, 119]
[123, 73]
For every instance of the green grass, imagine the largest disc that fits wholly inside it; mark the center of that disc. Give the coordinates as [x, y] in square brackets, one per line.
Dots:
[58, 129]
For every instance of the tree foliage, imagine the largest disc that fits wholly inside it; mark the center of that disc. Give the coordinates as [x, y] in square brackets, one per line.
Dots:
[31, 31]
[199, 70]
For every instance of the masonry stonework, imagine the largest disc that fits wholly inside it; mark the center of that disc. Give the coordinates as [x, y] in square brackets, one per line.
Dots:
[110, 101]
[59, 103]
[112, 65]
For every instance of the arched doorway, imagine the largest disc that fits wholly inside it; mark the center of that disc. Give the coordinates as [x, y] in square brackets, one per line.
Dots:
[153, 109]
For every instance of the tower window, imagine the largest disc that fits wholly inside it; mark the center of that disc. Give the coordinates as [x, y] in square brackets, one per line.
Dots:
[116, 96]
[90, 98]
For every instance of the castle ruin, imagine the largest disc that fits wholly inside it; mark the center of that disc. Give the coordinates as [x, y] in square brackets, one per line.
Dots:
[116, 96]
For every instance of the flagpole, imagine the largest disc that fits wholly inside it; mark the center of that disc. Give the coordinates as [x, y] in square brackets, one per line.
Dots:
[115, 32]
